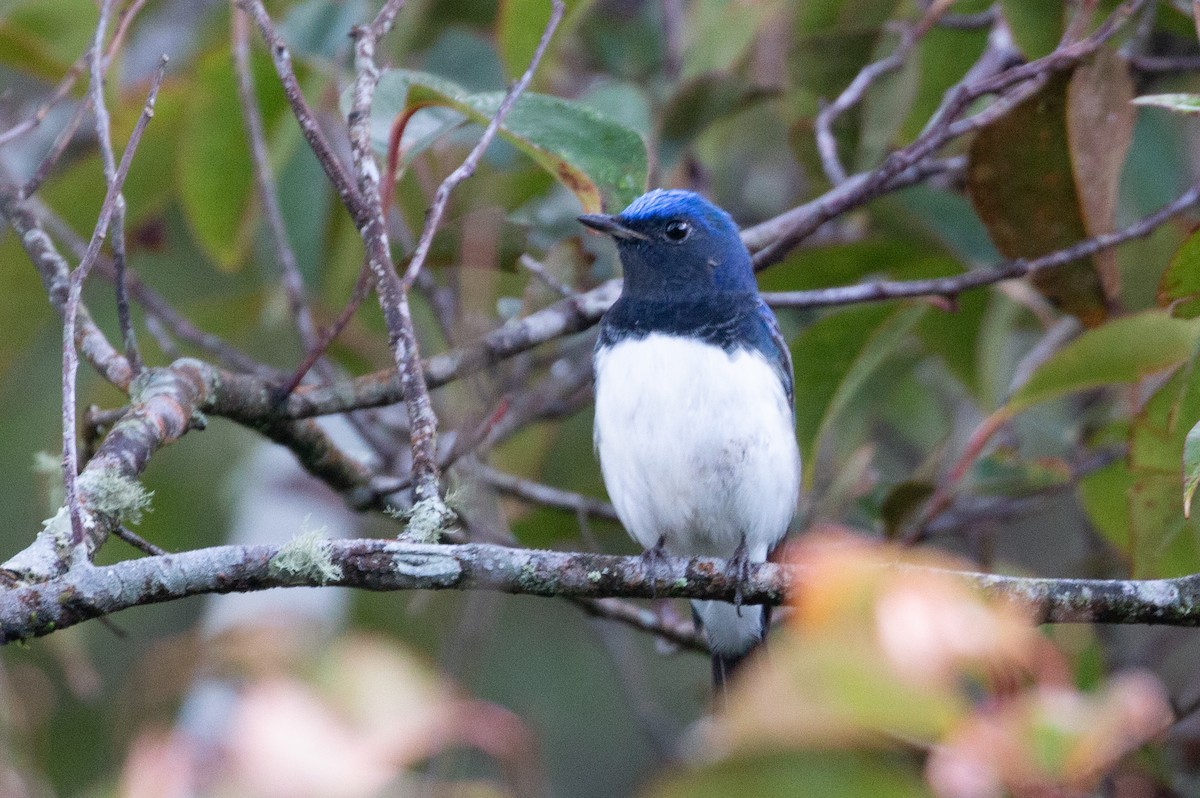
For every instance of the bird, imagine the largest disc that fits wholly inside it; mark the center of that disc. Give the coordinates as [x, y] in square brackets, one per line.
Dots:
[694, 410]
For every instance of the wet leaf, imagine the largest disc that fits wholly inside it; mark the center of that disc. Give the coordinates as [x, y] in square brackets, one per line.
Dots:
[603, 163]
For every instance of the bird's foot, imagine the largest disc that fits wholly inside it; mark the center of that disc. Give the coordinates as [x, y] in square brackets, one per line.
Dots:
[739, 571]
[653, 558]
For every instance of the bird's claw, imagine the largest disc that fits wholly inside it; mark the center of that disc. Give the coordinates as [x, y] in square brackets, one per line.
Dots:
[739, 571]
[653, 558]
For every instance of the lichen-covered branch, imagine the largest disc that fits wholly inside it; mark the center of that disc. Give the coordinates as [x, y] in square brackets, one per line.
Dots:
[35, 609]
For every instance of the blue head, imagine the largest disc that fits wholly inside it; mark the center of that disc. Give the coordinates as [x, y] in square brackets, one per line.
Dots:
[676, 245]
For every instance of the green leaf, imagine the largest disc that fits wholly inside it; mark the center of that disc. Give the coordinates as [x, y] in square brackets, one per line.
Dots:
[602, 162]
[718, 33]
[829, 774]
[943, 56]
[1036, 25]
[1157, 446]
[886, 105]
[834, 360]
[1179, 103]
[1179, 287]
[322, 29]
[20, 50]
[1104, 494]
[1124, 350]
[697, 104]
[1191, 468]
[23, 304]
[215, 170]
[45, 38]
[901, 504]
[1002, 473]
[519, 28]
[1021, 180]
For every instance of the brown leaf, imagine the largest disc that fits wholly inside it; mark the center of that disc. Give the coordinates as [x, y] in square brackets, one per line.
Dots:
[1021, 181]
[1100, 121]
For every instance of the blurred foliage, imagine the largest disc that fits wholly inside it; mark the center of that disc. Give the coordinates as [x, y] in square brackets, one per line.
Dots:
[1075, 450]
[881, 663]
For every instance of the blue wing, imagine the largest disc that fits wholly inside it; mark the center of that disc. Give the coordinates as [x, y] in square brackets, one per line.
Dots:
[769, 341]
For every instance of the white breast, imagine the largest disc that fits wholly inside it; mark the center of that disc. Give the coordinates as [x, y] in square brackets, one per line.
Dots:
[697, 445]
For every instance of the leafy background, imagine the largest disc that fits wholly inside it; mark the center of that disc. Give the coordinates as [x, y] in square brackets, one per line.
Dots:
[1083, 477]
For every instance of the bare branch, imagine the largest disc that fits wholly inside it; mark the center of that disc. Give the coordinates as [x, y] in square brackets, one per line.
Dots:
[467, 168]
[68, 598]
[545, 495]
[1153, 64]
[55, 273]
[393, 291]
[70, 360]
[117, 225]
[1019, 82]
[124, 19]
[1007, 270]
[264, 180]
[343, 184]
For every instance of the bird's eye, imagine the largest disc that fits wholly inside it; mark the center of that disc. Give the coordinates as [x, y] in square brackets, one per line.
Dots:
[678, 230]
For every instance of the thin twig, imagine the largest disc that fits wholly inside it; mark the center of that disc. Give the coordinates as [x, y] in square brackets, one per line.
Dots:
[138, 542]
[467, 167]
[393, 291]
[155, 305]
[334, 169]
[70, 359]
[55, 153]
[1017, 84]
[124, 19]
[1007, 270]
[362, 287]
[117, 225]
[1155, 64]
[538, 270]
[264, 181]
[539, 493]
[851, 96]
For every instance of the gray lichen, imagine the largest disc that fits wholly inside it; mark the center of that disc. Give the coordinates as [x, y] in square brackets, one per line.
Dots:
[58, 527]
[427, 520]
[308, 557]
[114, 495]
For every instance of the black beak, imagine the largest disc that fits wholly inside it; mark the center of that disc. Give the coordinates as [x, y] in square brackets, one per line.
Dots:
[604, 223]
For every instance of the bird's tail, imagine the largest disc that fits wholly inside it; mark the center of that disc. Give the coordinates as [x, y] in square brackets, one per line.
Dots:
[732, 632]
